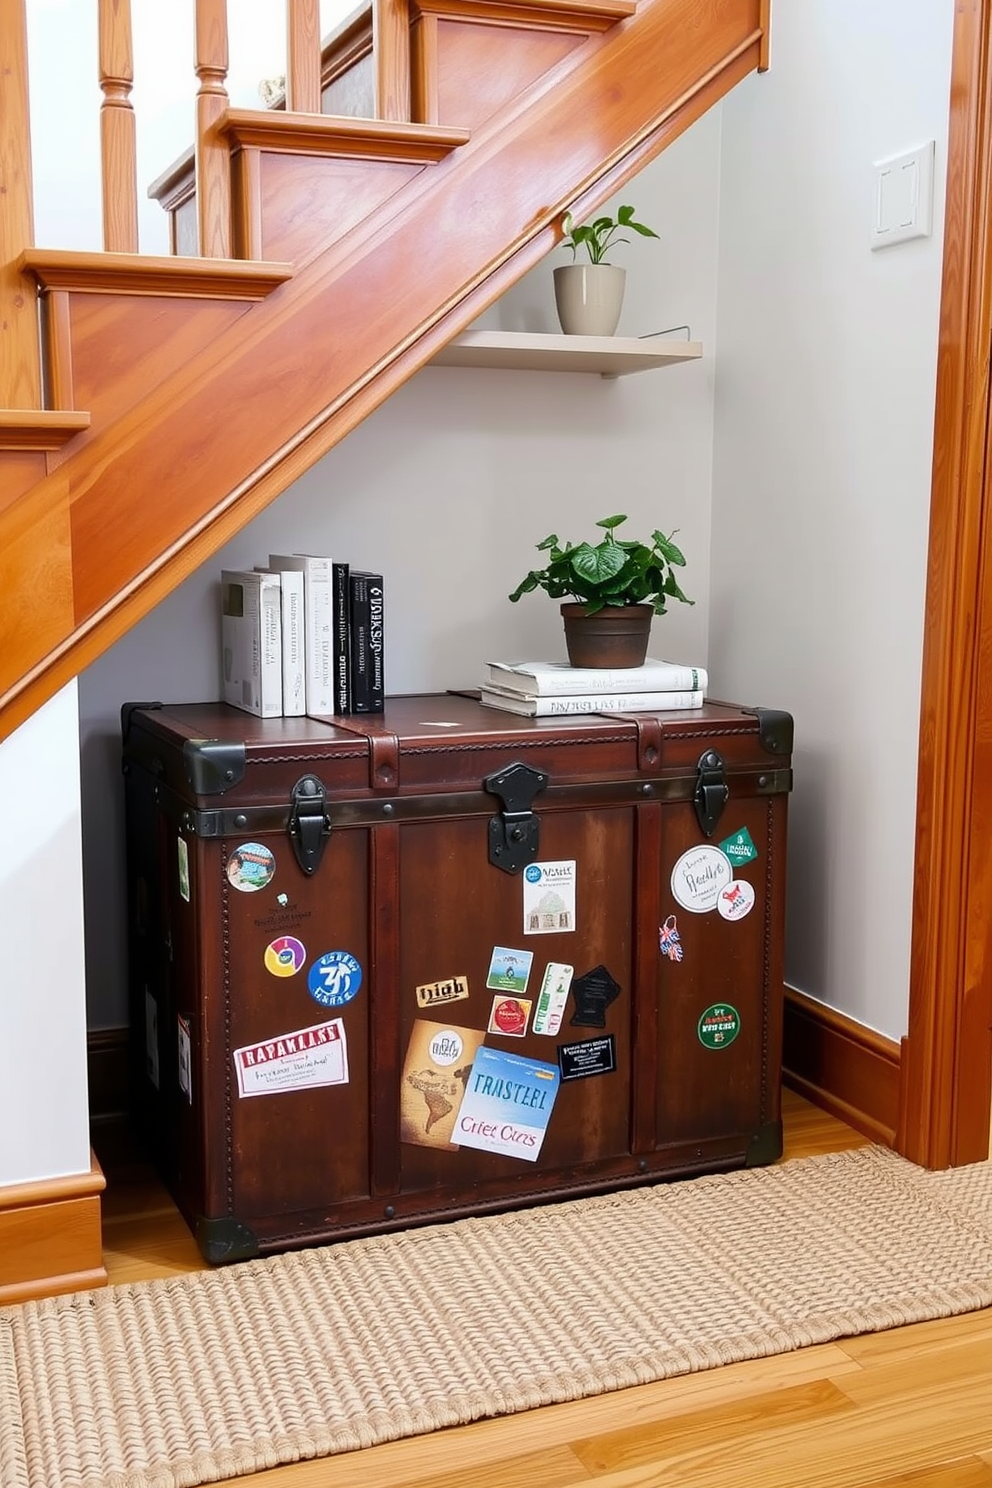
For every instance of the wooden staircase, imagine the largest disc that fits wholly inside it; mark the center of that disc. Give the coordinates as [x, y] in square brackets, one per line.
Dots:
[156, 405]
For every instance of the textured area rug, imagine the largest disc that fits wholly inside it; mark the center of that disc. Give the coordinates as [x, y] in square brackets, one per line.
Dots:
[219, 1373]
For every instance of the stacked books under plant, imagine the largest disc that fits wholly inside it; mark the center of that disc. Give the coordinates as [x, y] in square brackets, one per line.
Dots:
[550, 689]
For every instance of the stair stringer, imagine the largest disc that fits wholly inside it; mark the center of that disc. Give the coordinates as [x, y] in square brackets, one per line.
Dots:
[94, 546]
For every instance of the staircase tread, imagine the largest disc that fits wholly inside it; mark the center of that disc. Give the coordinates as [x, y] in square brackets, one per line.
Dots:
[145, 273]
[340, 133]
[575, 10]
[40, 428]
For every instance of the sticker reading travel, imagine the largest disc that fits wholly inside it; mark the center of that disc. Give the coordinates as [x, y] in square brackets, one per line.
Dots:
[301, 1060]
[285, 957]
[509, 1016]
[507, 1104]
[737, 901]
[669, 940]
[433, 994]
[549, 898]
[718, 1026]
[334, 978]
[435, 1072]
[739, 847]
[250, 867]
[552, 997]
[509, 969]
[698, 877]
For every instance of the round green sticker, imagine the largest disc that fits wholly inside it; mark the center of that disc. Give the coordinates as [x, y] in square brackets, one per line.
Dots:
[719, 1026]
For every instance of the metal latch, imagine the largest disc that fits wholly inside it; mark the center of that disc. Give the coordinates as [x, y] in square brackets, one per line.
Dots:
[514, 835]
[309, 823]
[711, 792]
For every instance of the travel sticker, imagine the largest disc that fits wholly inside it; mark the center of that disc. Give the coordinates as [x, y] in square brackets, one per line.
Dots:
[737, 901]
[593, 994]
[185, 1058]
[285, 957]
[698, 877]
[549, 898]
[301, 1060]
[739, 847]
[435, 1072]
[509, 1016]
[334, 978]
[552, 997]
[509, 970]
[432, 994]
[669, 942]
[250, 867]
[507, 1104]
[183, 853]
[718, 1026]
[596, 1056]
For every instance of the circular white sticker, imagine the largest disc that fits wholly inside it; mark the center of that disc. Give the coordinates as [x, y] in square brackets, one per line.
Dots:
[737, 900]
[698, 877]
[446, 1047]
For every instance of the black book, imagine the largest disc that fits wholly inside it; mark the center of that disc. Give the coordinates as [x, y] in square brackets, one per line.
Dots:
[367, 636]
[341, 637]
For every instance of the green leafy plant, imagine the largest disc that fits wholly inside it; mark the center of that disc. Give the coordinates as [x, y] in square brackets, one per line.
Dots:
[596, 237]
[610, 572]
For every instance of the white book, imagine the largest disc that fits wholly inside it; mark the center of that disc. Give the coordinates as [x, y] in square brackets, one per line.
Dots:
[251, 641]
[557, 678]
[294, 701]
[318, 626]
[598, 702]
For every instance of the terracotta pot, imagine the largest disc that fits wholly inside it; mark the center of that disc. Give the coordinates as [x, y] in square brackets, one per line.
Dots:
[615, 636]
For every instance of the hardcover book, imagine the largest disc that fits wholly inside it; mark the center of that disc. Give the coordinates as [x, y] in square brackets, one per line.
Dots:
[597, 702]
[342, 637]
[555, 678]
[294, 700]
[367, 651]
[251, 641]
[318, 625]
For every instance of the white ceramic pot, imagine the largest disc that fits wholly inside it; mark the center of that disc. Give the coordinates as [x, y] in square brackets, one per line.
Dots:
[589, 298]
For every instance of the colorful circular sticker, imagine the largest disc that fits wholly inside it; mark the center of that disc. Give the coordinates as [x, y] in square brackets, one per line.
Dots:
[446, 1046]
[509, 1015]
[737, 900]
[719, 1026]
[250, 867]
[532, 873]
[334, 978]
[285, 956]
[698, 877]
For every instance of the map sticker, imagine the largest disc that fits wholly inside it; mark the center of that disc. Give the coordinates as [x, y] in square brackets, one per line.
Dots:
[507, 1104]
[509, 1016]
[302, 1060]
[552, 997]
[698, 877]
[736, 901]
[250, 867]
[549, 898]
[334, 978]
[435, 1072]
[509, 970]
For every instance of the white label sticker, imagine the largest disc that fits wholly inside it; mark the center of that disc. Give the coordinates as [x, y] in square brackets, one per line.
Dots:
[552, 997]
[549, 898]
[294, 1061]
[736, 901]
[698, 877]
[185, 1059]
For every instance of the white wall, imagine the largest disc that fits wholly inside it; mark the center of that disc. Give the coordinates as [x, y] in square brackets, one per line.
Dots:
[824, 422]
[43, 1115]
[445, 490]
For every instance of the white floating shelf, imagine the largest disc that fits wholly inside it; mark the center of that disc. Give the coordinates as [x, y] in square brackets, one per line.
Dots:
[522, 351]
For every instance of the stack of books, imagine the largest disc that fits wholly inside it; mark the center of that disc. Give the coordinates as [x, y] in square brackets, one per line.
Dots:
[550, 689]
[302, 635]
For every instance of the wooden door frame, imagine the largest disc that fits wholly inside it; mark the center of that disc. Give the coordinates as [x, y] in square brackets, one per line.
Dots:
[947, 1054]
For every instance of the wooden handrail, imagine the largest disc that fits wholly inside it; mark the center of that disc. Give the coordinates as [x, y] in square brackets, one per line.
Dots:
[213, 173]
[20, 366]
[303, 56]
[119, 174]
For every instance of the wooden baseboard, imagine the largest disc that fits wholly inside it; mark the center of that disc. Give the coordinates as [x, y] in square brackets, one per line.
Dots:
[50, 1237]
[842, 1066]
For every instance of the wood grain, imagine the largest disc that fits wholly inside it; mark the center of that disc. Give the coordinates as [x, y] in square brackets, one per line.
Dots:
[118, 149]
[842, 1066]
[50, 1240]
[20, 368]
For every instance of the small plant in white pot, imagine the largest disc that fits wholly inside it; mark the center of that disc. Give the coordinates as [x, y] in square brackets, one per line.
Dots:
[589, 296]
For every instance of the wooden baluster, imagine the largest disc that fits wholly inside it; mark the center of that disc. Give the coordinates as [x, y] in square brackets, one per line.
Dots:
[20, 367]
[391, 43]
[303, 56]
[119, 173]
[213, 160]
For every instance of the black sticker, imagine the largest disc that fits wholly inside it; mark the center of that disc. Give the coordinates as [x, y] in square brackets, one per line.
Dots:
[596, 1056]
[593, 994]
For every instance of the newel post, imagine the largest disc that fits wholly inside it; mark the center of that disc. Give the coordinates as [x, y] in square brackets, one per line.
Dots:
[213, 161]
[20, 366]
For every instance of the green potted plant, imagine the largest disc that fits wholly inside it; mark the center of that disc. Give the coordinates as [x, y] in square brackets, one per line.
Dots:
[613, 589]
[589, 296]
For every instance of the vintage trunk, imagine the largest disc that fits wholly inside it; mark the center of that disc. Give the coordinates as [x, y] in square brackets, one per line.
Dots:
[340, 932]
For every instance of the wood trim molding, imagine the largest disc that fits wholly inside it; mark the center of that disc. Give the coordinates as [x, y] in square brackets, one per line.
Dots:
[842, 1066]
[948, 1055]
[50, 1237]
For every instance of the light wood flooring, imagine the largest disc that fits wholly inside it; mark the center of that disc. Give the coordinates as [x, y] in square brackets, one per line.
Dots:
[911, 1407]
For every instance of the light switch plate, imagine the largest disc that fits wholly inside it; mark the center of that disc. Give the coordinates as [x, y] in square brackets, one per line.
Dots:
[902, 203]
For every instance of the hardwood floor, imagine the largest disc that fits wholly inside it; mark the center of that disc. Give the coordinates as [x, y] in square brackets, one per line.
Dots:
[909, 1407]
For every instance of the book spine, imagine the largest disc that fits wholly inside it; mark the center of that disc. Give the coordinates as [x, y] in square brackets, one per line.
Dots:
[270, 647]
[294, 702]
[240, 644]
[560, 707]
[361, 662]
[578, 681]
[319, 636]
[377, 615]
[342, 637]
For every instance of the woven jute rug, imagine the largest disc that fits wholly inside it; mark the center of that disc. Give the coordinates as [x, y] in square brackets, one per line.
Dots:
[219, 1373]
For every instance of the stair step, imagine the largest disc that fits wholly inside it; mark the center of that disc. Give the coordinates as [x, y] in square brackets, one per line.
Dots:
[136, 273]
[582, 15]
[328, 134]
[39, 429]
